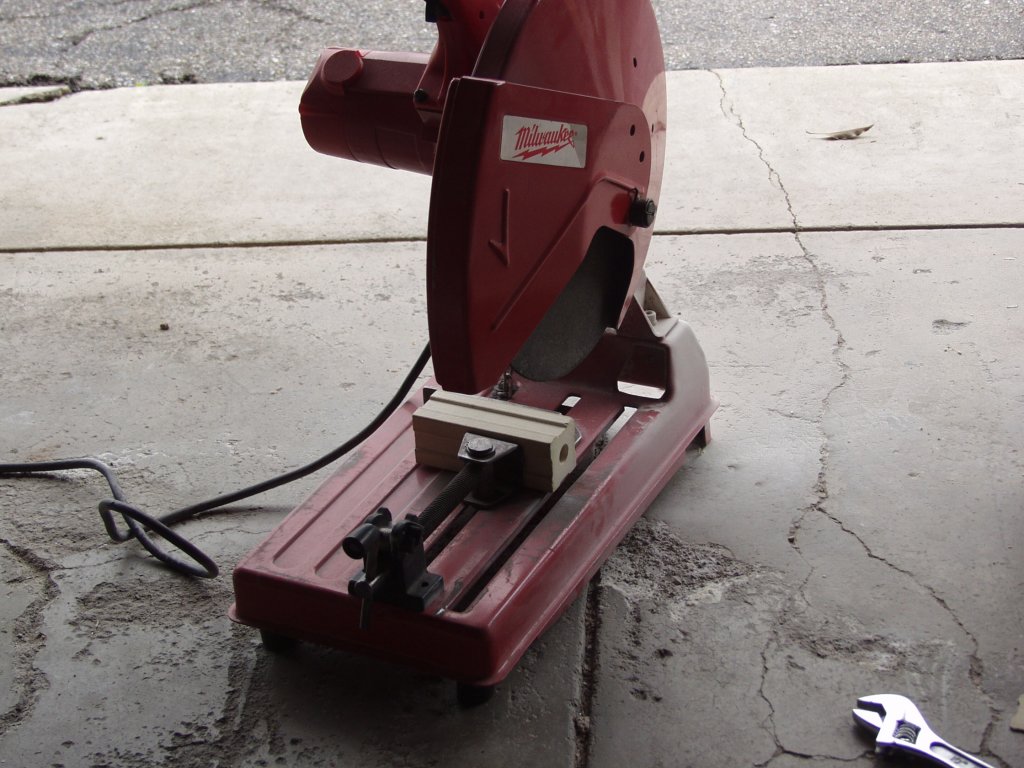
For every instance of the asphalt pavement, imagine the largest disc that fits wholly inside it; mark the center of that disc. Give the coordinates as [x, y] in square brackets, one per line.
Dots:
[145, 42]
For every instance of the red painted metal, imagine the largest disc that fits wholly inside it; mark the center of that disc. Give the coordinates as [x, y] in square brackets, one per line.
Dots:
[385, 108]
[462, 27]
[295, 583]
[359, 106]
[504, 239]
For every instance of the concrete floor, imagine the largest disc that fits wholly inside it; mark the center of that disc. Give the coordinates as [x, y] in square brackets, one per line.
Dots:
[855, 526]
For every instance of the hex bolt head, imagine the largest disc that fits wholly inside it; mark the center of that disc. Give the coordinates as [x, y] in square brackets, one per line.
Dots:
[479, 448]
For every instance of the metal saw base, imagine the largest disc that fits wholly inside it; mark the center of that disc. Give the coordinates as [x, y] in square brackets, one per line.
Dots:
[511, 570]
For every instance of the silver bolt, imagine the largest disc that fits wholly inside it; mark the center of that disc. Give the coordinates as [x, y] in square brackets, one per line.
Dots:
[480, 448]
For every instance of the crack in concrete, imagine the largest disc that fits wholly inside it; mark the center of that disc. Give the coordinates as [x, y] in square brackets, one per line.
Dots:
[816, 758]
[582, 722]
[821, 489]
[28, 635]
[729, 112]
[791, 415]
[976, 667]
[220, 532]
[781, 750]
[989, 753]
[821, 485]
[769, 721]
[985, 750]
[64, 568]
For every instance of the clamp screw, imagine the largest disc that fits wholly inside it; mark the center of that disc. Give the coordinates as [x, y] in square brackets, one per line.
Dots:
[420, 95]
[642, 212]
[480, 448]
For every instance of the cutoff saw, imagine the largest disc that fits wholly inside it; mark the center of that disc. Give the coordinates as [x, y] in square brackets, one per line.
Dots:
[564, 394]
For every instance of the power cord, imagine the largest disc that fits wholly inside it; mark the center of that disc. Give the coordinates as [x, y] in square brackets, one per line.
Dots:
[140, 524]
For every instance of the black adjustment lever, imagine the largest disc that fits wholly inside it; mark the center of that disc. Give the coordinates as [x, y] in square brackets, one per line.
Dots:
[394, 564]
[394, 561]
[364, 543]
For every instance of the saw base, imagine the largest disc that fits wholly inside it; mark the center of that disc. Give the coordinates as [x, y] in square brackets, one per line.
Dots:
[509, 571]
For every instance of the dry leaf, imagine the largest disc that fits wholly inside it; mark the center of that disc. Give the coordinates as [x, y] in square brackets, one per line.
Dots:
[851, 133]
[1017, 723]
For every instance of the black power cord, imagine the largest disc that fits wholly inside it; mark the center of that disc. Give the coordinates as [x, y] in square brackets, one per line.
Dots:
[140, 524]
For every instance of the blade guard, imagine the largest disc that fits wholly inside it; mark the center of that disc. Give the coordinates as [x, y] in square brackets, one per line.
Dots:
[512, 216]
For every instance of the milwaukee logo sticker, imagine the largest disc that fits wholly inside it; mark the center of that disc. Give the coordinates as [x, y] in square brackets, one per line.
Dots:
[547, 142]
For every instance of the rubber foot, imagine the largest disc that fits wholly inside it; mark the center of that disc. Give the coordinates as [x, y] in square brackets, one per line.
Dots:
[276, 643]
[470, 695]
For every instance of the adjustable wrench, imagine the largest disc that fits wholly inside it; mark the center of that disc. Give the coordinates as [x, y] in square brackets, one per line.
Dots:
[900, 726]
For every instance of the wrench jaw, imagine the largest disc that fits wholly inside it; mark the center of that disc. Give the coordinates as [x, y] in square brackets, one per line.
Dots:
[868, 718]
[896, 720]
[884, 729]
[900, 726]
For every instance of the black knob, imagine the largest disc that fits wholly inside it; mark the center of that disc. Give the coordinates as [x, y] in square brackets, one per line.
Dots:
[642, 212]
[363, 539]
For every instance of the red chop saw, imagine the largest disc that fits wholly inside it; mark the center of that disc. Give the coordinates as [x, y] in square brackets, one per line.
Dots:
[565, 395]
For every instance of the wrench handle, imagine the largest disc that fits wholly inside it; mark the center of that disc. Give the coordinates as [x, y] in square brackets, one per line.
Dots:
[947, 754]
